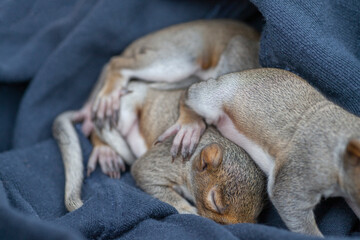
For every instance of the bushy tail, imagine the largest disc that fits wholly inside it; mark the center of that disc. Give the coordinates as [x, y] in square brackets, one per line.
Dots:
[65, 134]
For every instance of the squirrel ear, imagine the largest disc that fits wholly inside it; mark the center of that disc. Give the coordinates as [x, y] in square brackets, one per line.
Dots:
[211, 156]
[353, 153]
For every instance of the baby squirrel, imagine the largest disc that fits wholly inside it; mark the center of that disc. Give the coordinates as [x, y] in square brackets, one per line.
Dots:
[308, 146]
[204, 49]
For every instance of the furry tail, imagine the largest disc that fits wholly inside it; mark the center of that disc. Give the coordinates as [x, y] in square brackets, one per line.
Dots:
[65, 134]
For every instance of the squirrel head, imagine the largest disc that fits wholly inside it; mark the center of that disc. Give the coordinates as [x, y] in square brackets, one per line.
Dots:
[229, 188]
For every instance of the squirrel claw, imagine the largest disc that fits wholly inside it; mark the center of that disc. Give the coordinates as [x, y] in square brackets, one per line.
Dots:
[156, 142]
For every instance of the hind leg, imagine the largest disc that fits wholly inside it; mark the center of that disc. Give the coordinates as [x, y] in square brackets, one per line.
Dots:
[111, 151]
[110, 162]
[161, 65]
[293, 201]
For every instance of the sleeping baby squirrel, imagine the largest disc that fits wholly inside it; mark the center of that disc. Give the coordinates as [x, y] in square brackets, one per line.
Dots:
[306, 145]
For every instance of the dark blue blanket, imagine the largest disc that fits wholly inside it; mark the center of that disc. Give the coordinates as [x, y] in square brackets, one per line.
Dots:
[51, 53]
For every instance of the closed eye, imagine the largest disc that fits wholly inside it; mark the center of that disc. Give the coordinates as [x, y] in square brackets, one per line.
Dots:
[214, 201]
[216, 207]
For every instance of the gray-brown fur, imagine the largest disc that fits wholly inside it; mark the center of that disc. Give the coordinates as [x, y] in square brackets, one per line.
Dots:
[152, 121]
[306, 137]
[241, 181]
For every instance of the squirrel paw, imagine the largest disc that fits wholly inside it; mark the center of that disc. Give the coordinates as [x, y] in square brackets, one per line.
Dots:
[187, 136]
[111, 164]
[187, 210]
[106, 107]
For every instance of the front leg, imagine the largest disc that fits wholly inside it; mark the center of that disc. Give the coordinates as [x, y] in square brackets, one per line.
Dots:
[169, 195]
[157, 176]
[188, 129]
[155, 183]
[294, 200]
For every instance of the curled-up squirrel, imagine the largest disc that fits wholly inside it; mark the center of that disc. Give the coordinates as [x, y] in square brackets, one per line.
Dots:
[220, 178]
[204, 49]
[308, 147]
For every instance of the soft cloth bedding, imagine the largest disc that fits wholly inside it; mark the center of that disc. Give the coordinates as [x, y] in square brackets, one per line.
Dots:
[51, 53]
